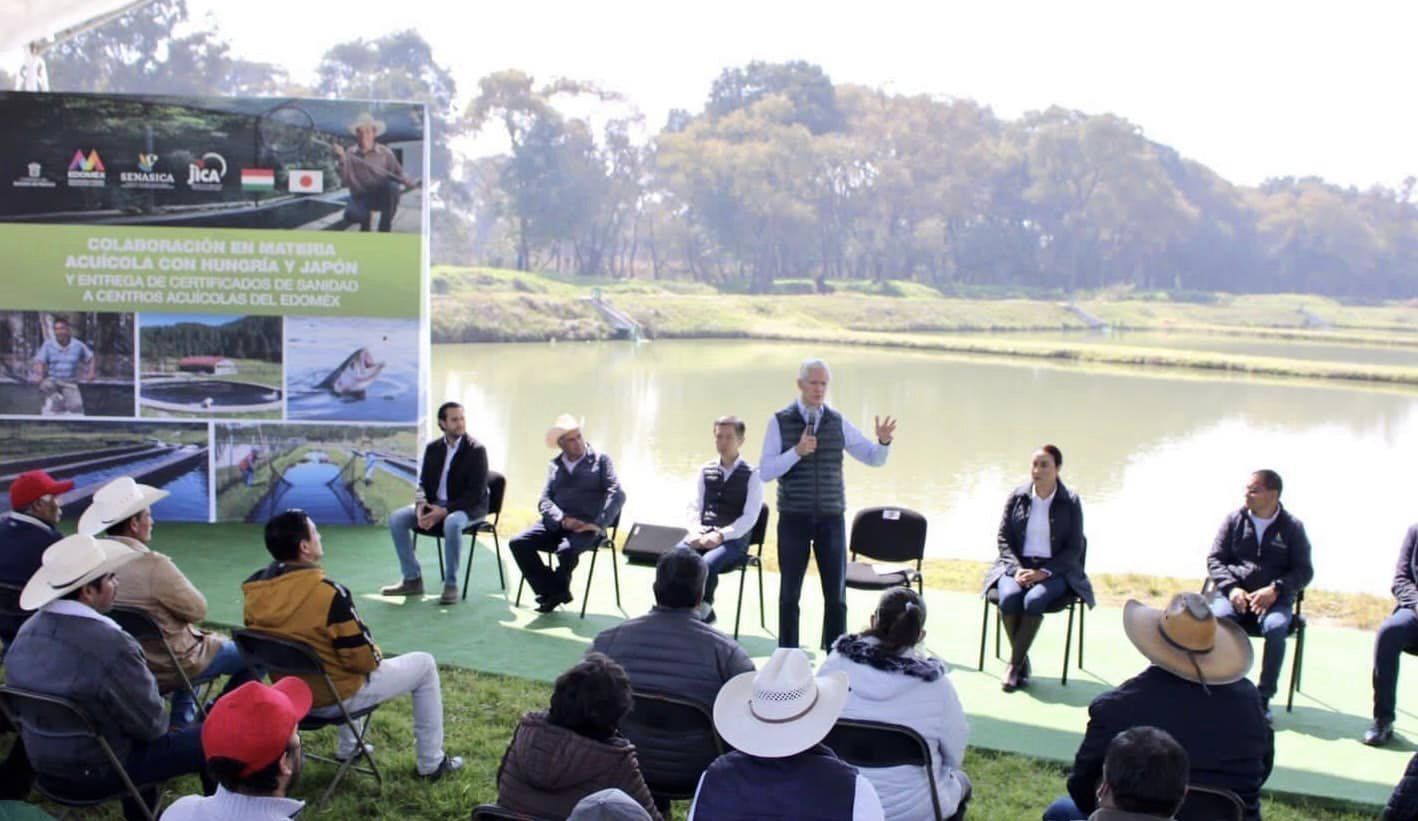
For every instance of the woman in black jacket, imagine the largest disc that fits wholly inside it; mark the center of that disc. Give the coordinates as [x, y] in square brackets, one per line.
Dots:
[1041, 546]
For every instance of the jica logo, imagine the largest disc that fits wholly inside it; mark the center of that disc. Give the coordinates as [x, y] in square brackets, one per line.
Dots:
[207, 173]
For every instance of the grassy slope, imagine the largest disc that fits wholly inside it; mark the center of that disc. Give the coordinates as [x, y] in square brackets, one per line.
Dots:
[482, 710]
[482, 305]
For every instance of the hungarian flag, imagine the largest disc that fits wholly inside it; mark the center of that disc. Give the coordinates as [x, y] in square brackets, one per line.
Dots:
[302, 181]
[258, 179]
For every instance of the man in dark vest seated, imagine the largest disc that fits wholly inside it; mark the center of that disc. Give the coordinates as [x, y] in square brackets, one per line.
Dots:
[725, 508]
[775, 719]
[802, 449]
[581, 498]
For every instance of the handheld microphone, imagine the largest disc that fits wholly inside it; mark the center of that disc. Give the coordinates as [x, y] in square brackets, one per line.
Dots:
[812, 421]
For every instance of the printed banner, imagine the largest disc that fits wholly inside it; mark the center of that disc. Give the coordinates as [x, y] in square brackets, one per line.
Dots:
[220, 297]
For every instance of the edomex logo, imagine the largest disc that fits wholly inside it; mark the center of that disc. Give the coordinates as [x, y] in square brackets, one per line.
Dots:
[86, 171]
[207, 173]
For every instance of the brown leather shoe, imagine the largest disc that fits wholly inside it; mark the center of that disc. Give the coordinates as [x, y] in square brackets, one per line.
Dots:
[407, 587]
[450, 594]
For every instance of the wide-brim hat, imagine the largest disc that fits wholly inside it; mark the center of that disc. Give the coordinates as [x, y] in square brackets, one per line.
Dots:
[563, 425]
[366, 120]
[781, 709]
[1187, 640]
[115, 502]
[71, 563]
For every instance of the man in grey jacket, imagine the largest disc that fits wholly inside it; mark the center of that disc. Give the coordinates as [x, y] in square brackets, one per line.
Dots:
[72, 650]
[670, 651]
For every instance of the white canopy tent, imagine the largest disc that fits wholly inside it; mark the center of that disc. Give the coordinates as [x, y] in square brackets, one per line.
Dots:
[32, 26]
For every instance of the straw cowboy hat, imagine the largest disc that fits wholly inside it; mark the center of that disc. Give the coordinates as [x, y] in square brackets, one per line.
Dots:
[563, 425]
[1187, 640]
[366, 120]
[71, 563]
[781, 709]
[115, 502]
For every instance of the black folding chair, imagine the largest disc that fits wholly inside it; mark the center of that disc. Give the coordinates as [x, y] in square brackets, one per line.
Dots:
[1204, 803]
[496, 489]
[54, 717]
[1068, 601]
[1295, 630]
[754, 558]
[607, 539]
[878, 744]
[12, 616]
[656, 715]
[282, 656]
[140, 625]
[886, 534]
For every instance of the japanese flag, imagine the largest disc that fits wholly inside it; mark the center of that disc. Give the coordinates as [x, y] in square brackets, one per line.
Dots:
[306, 182]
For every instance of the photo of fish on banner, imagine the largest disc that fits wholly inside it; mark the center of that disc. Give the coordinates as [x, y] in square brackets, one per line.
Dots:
[340, 474]
[198, 366]
[362, 369]
[59, 364]
[212, 162]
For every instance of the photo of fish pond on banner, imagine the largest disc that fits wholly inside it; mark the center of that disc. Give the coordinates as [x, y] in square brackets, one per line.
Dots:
[199, 366]
[169, 456]
[60, 364]
[339, 474]
[362, 369]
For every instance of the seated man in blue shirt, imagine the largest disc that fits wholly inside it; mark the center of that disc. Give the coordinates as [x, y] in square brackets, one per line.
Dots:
[581, 498]
[59, 364]
[725, 508]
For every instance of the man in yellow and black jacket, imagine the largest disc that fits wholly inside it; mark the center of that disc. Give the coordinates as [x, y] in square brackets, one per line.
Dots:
[292, 598]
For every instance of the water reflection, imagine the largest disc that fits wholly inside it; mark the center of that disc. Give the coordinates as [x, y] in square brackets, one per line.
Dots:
[1158, 458]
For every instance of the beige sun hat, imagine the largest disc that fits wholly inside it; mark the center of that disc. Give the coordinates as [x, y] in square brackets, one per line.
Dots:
[1187, 640]
[71, 563]
[781, 709]
[563, 425]
[366, 120]
[115, 502]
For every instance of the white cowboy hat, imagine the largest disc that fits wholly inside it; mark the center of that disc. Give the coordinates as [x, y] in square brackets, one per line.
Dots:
[366, 120]
[781, 709]
[71, 563]
[563, 425]
[115, 502]
[1188, 641]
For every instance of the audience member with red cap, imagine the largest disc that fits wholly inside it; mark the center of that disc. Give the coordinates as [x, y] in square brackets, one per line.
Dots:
[29, 528]
[252, 744]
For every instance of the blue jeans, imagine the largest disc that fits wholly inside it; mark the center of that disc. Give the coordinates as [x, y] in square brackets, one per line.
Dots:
[1398, 633]
[227, 662]
[1063, 809]
[1272, 627]
[401, 528]
[1033, 601]
[825, 538]
[722, 559]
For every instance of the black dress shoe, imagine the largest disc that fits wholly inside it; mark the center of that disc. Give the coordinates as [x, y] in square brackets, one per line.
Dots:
[1379, 734]
[551, 601]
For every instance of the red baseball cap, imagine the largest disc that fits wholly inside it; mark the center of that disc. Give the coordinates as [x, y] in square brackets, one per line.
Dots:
[32, 484]
[252, 724]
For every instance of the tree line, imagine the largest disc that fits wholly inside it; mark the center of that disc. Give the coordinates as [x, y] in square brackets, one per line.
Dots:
[782, 174]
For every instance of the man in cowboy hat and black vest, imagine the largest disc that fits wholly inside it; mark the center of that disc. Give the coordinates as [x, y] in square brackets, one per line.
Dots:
[775, 720]
[1196, 690]
[803, 449]
[372, 173]
[72, 650]
[122, 510]
[581, 498]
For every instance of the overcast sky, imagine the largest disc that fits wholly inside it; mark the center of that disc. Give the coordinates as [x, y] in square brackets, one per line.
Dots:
[1254, 89]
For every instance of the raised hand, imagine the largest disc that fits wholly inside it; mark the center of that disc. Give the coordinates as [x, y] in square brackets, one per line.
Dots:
[885, 430]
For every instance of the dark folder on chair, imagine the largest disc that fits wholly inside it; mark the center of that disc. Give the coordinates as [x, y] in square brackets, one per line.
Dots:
[647, 543]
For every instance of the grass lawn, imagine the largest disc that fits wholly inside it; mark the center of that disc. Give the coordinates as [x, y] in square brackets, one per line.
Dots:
[481, 711]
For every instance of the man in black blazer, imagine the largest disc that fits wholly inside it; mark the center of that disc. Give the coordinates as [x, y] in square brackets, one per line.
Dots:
[1259, 563]
[452, 495]
[1397, 635]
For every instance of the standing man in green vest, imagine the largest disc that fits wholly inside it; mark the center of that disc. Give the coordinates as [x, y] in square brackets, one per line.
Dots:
[803, 450]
